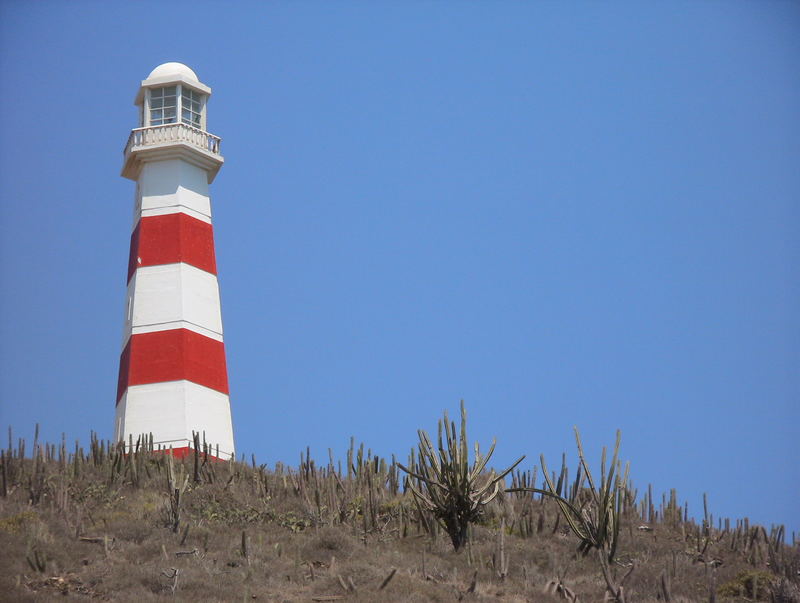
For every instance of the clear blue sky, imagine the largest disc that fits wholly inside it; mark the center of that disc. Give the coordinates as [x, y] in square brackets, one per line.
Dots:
[563, 212]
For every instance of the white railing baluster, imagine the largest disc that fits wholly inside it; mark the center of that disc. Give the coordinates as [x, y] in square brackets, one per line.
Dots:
[172, 133]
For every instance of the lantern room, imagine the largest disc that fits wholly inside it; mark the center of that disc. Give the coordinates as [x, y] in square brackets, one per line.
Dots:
[172, 94]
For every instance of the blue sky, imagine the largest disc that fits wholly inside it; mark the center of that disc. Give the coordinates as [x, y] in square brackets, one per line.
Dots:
[565, 213]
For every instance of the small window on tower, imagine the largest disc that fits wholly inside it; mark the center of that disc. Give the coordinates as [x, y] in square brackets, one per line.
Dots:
[190, 107]
[163, 106]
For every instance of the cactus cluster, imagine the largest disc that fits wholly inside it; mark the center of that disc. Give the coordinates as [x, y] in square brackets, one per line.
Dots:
[593, 513]
[594, 519]
[447, 485]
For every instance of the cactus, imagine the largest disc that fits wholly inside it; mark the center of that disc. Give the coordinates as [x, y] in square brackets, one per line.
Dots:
[37, 561]
[177, 483]
[596, 518]
[446, 484]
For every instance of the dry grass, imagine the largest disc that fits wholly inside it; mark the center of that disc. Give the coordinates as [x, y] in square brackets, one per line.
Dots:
[97, 525]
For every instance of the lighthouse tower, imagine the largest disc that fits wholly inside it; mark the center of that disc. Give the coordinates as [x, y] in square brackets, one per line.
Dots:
[173, 380]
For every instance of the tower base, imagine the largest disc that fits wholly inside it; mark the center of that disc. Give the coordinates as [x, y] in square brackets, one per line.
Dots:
[172, 412]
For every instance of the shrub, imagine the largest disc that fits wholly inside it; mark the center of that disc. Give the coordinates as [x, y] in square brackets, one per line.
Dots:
[754, 584]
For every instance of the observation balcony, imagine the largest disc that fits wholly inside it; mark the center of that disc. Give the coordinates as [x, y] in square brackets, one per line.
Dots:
[172, 141]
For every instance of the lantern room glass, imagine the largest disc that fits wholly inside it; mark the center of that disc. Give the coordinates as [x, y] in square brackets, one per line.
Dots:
[190, 107]
[171, 104]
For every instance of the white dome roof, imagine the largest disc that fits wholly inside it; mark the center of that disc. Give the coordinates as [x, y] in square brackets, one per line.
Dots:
[173, 69]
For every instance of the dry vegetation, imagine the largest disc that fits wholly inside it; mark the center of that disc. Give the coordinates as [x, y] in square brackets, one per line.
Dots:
[144, 526]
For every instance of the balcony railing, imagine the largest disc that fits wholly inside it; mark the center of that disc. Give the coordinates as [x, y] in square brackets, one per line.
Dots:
[151, 135]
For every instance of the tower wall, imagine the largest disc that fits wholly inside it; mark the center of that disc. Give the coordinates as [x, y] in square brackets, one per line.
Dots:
[174, 185]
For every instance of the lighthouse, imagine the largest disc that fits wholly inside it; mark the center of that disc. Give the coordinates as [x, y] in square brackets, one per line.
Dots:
[173, 379]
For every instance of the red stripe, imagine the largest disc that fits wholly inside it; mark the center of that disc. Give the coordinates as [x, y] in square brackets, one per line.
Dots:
[172, 238]
[179, 453]
[186, 451]
[172, 355]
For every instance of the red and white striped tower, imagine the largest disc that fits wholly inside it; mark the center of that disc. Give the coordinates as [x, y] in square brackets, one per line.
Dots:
[172, 375]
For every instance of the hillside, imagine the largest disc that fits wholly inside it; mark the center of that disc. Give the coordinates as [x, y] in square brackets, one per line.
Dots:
[145, 526]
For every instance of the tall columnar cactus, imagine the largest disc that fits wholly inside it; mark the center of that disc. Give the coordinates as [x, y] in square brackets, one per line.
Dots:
[177, 482]
[593, 513]
[447, 485]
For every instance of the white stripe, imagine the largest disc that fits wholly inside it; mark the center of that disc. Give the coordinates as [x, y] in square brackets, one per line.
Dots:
[172, 293]
[174, 183]
[173, 209]
[171, 411]
[176, 324]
